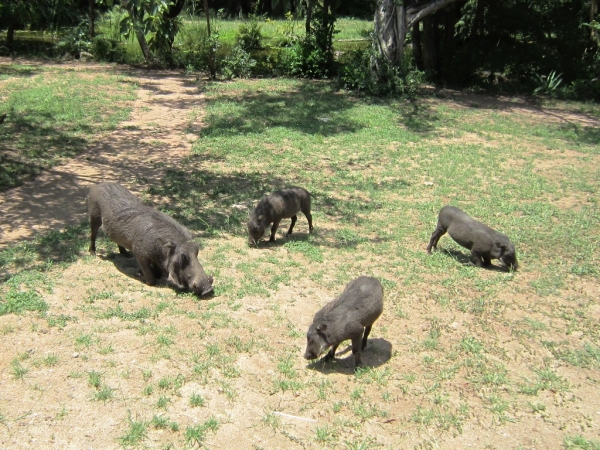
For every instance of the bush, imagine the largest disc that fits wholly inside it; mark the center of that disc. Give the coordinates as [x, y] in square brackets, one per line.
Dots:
[108, 50]
[582, 90]
[238, 63]
[356, 75]
[304, 58]
[191, 48]
[74, 42]
[249, 36]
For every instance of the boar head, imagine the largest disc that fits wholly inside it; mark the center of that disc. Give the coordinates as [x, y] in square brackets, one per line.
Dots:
[184, 269]
[256, 229]
[316, 341]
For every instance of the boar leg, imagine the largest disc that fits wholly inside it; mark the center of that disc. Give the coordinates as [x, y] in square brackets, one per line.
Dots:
[147, 271]
[356, 350]
[331, 354]
[123, 251]
[487, 261]
[310, 225]
[477, 258]
[435, 237]
[294, 218]
[95, 223]
[156, 270]
[273, 230]
[366, 335]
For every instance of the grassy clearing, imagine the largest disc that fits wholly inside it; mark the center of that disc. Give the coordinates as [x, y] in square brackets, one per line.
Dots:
[52, 114]
[460, 354]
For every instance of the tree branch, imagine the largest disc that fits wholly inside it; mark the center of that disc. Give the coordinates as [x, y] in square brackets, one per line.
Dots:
[417, 13]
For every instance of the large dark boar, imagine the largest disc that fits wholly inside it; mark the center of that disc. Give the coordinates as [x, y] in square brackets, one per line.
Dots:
[279, 205]
[484, 242]
[158, 242]
[346, 317]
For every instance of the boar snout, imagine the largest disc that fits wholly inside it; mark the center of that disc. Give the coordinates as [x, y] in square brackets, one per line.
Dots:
[309, 355]
[203, 286]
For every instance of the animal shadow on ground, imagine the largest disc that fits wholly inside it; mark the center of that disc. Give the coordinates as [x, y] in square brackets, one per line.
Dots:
[128, 265]
[465, 260]
[377, 353]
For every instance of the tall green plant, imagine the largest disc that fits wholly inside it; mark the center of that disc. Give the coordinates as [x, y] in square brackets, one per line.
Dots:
[151, 17]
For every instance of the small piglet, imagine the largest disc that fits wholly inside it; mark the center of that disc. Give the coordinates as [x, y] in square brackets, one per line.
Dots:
[484, 242]
[279, 205]
[346, 317]
[158, 242]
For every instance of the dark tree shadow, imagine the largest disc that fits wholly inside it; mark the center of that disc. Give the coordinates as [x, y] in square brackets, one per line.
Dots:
[377, 353]
[313, 108]
[41, 144]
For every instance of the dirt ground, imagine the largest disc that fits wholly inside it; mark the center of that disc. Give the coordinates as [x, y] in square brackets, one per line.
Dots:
[52, 407]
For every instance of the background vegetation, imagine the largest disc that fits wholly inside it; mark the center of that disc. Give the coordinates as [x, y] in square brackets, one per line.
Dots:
[550, 47]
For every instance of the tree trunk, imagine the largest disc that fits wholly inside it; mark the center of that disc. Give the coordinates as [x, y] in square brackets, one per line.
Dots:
[594, 9]
[211, 52]
[91, 13]
[477, 29]
[415, 37]
[138, 32]
[389, 33]
[392, 20]
[10, 33]
[309, 8]
[429, 45]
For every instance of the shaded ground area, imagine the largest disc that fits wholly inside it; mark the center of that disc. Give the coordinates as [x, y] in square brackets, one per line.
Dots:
[159, 133]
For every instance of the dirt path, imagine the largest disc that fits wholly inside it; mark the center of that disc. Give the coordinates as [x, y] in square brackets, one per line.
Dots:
[161, 130]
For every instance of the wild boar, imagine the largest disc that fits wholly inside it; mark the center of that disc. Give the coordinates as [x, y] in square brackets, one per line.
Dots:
[350, 316]
[484, 242]
[279, 205]
[159, 243]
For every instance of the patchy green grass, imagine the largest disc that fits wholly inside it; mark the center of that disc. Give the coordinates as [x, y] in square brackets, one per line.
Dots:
[460, 354]
[53, 113]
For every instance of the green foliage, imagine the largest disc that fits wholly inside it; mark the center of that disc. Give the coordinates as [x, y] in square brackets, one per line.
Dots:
[150, 17]
[238, 63]
[106, 49]
[192, 46]
[356, 75]
[547, 84]
[249, 36]
[75, 41]
[311, 56]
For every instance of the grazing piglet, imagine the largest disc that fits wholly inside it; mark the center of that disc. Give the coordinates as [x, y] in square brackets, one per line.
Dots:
[158, 242]
[279, 205]
[346, 317]
[484, 242]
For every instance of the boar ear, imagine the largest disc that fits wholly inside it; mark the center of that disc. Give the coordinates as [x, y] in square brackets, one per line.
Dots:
[502, 248]
[322, 328]
[169, 247]
[182, 259]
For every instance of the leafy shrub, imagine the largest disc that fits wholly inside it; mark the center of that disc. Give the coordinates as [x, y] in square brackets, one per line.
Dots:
[304, 58]
[582, 90]
[356, 75]
[74, 42]
[191, 48]
[249, 36]
[238, 63]
[106, 49]
[547, 84]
